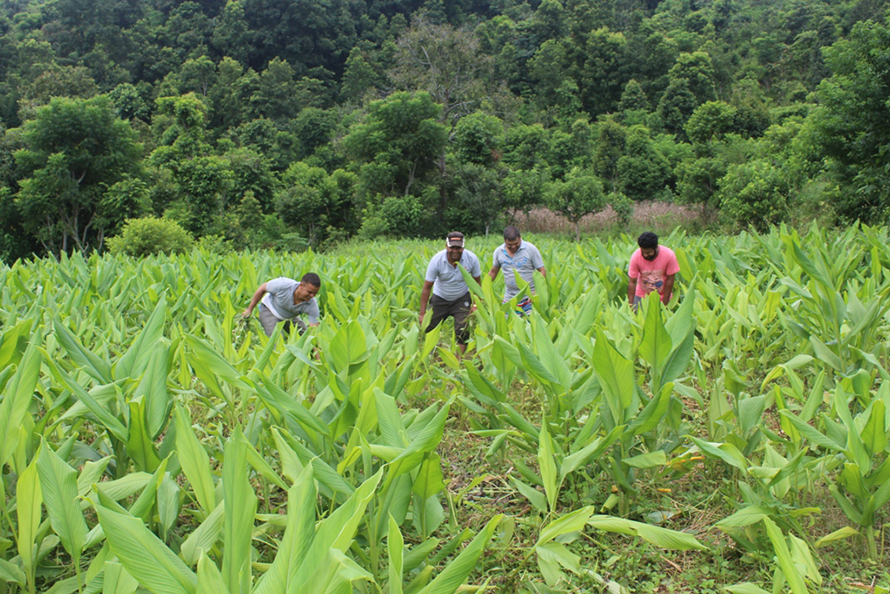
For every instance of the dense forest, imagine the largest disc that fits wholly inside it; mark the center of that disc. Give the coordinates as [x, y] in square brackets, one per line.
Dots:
[286, 123]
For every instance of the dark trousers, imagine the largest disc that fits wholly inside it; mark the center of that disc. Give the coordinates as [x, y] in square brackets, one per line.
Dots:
[458, 309]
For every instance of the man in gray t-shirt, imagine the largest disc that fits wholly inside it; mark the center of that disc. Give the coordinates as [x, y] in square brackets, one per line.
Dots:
[450, 293]
[512, 256]
[283, 300]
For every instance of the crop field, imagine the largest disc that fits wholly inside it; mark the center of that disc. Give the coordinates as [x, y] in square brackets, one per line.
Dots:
[735, 440]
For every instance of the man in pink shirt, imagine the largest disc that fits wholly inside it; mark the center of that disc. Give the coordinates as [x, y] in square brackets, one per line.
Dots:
[652, 268]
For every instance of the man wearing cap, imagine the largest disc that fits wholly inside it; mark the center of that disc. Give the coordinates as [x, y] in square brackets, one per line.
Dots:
[283, 300]
[451, 295]
[517, 256]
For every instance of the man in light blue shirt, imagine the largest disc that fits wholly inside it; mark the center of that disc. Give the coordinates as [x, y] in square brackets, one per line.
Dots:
[284, 300]
[512, 256]
[450, 293]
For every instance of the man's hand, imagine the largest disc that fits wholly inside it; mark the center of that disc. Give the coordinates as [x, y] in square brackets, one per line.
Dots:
[246, 313]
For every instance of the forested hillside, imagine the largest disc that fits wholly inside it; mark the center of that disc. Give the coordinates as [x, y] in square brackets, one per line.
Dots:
[264, 123]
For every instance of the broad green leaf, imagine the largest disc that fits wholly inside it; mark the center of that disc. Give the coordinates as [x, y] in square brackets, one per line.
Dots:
[783, 556]
[140, 446]
[547, 466]
[457, 570]
[647, 460]
[85, 359]
[535, 497]
[210, 580]
[746, 588]
[551, 557]
[17, 397]
[194, 461]
[204, 536]
[29, 499]
[395, 546]
[616, 376]
[429, 479]
[58, 484]
[133, 363]
[572, 522]
[660, 537]
[656, 344]
[240, 506]
[841, 534]
[144, 556]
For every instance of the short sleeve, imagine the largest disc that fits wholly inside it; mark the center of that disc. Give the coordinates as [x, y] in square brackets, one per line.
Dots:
[673, 267]
[494, 258]
[276, 284]
[432, 270]
[312, 312]
[633, 271]
[537, 260]
[475, 268]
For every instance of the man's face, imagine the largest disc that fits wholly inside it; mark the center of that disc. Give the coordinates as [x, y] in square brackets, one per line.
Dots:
[454, 253]
[305, 292]
[512, 244]
[649, 253]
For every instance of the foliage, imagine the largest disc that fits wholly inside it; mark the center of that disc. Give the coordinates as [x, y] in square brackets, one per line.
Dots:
[74, 150]
[142, 237]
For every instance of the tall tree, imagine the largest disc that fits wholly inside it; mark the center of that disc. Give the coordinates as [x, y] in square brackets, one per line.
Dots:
[76, 149]
[851, 122]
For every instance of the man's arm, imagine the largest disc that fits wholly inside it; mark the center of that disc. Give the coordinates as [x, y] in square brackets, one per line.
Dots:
[478, 279]
[425, 298]
[668, 289]
[632, 289]
[256, 299]
[493, 273]
[542, 271]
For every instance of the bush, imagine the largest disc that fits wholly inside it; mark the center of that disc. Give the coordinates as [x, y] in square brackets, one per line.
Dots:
[142, 237]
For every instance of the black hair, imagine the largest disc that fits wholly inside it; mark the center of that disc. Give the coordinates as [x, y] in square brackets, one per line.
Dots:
[310, 278]
[648, 240]
[511, 233]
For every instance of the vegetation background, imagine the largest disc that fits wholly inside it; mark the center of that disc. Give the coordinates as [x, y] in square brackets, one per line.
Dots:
[277, 123]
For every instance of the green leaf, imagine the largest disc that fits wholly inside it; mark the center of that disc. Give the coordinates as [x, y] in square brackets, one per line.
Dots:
[647, 460]
[660, 537]
[204, 537]
[395, 545]
[210, 580]
[656, 343]
[28, 501]
[429, 477]
[783, 556]
[547, 465]
[535, 497]
[240, 505]
[456, 571]
[133, 363]
[83, 358]
[746, 588]
[58, 484]
[144, 556]
[616, 376]
[572, 522]
[194, 461]
[16, 398]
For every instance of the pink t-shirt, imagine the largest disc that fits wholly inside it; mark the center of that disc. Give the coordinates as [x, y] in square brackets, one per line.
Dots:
[652, 274]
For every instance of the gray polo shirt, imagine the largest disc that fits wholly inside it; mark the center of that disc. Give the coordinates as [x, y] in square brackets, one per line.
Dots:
[448, 283]
[525, 261]
[279, 299]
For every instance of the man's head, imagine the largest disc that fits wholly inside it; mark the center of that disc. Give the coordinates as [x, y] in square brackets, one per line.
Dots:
[512, 240]
[648, 243]
[454, 243]
[309, 286]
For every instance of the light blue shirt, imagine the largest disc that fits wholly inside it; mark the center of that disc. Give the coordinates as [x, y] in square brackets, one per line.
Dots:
[279, 299]
[525, 261]
[448, 282]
